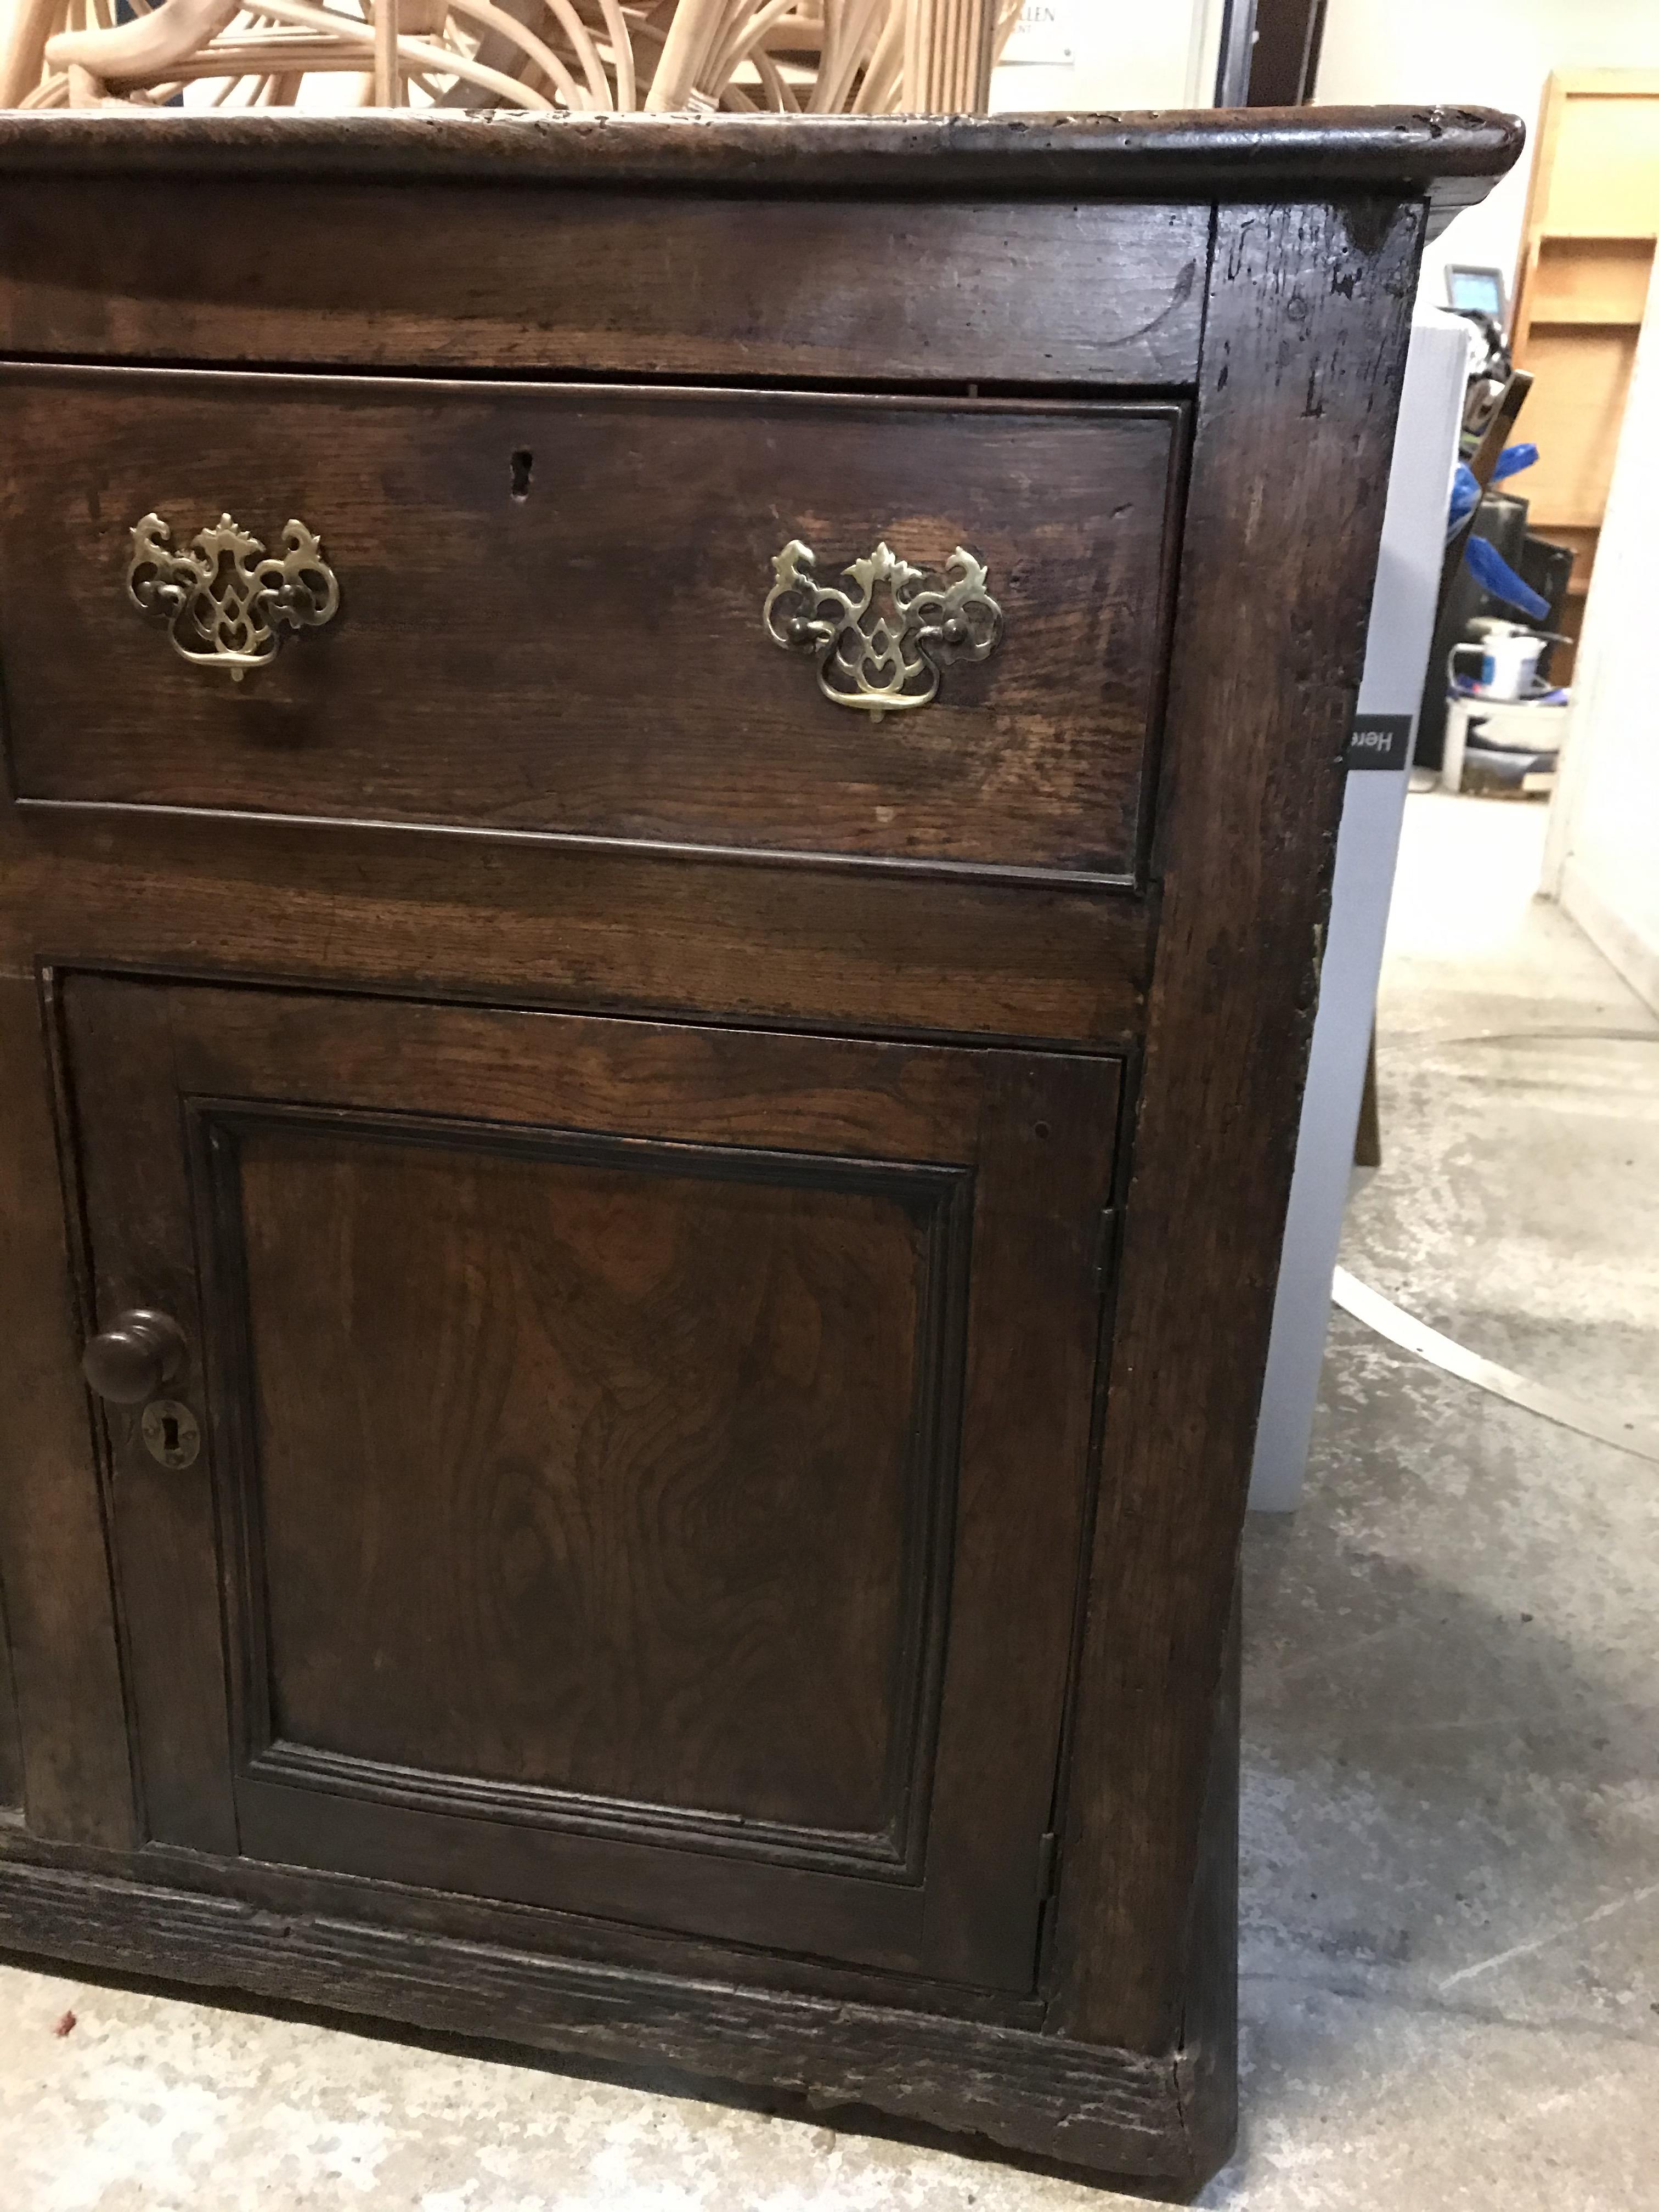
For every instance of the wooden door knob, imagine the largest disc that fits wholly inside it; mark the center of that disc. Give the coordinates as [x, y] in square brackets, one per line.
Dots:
[133, 1358]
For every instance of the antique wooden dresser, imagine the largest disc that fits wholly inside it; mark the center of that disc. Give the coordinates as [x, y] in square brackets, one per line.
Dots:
[669, 787]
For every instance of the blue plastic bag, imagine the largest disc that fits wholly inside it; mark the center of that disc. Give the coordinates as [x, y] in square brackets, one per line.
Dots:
[1485, 563]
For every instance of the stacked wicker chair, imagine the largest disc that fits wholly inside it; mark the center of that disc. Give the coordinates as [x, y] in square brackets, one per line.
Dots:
[813, 57]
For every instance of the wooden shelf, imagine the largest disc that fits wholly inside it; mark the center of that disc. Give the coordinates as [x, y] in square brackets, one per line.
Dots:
[1568, 235]
[1582, 319]
[1585, 270]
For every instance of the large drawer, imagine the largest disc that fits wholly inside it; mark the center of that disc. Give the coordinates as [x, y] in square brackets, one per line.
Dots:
[549, 611]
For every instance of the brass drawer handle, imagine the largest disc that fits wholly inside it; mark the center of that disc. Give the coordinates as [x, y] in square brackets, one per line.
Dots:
[220, 601]
[880, 647]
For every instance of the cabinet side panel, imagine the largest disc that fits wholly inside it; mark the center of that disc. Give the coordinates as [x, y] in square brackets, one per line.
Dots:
[11, 1742]
[1206, 2068]
[1304, 350]
[59, 1608]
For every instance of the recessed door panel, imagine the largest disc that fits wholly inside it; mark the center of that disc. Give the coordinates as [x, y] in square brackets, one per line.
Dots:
[642, 1468]
[645, 1525]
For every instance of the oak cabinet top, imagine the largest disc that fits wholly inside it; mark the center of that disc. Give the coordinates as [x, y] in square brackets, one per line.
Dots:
[1447, 155]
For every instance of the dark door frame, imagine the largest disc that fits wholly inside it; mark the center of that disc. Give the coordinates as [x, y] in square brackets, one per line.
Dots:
[1269, 53]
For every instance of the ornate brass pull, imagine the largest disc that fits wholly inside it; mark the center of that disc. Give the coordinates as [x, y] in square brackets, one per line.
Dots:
[880, 647]
[221, 599]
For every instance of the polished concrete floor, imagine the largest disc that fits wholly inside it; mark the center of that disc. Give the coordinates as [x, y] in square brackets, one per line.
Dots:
[1450, 1963]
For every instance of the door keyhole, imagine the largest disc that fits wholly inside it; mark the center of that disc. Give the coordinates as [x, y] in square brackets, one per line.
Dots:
[172, 1435]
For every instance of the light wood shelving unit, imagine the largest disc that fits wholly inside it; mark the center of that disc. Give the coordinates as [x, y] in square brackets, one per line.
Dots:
[1587, 255]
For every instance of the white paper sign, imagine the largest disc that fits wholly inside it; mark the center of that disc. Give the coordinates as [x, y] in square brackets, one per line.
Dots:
[1041, 37]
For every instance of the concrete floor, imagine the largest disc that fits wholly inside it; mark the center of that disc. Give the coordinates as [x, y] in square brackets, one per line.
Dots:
[1451, 1816]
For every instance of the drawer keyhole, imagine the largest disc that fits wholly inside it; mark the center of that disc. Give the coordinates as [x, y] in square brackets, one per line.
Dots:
[523, 462]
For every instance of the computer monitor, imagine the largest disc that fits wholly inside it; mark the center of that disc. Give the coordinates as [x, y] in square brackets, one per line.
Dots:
[1476, 292]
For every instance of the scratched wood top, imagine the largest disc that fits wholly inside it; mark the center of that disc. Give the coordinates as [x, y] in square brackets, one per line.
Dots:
[1450, 156]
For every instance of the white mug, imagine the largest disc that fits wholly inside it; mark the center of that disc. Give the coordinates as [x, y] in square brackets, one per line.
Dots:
[1508, 665]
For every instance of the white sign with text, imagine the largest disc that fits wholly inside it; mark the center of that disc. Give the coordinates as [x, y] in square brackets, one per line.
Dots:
[1042, 37]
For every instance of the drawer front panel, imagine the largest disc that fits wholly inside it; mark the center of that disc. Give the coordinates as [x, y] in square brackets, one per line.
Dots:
[550, 614]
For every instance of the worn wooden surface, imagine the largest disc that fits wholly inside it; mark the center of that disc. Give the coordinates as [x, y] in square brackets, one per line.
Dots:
[1447, 157]
[642, 1502]
[1207, 2069]
[11, 1742]
[551, 279]
[496, 1921]
[59, 1610]
[551, 615]
[494, 918]
[122, 1148]
[1115, 2109]
[1304, 348]
[1195, 978]
[668, 1421]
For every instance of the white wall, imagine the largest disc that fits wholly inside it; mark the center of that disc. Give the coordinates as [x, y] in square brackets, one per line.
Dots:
[1602, 856]
[1493, 53]
[1125, 54]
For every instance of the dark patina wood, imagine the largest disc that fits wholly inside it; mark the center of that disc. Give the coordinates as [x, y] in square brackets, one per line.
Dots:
[56, 1596]
[11, 1742]
[490, 917]
[725, 1250]
[1445, 157]
[553, 612]
[546, 278]
[1120, 2112]
[629, 1390]
[1282, 555]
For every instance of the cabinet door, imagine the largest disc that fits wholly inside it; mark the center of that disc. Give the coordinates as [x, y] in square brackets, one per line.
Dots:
[641, 1468]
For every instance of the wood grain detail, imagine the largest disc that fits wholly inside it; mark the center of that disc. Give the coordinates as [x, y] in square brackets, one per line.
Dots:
[526, 1601]
[1305, 337]
[425, 914]
[11, 1741]
[584, 658]
[726, 1251]
[405, 1307]
[1446, 156]
[61, 1624]
[122, 1121]
[542, 280]
[1117, 2111]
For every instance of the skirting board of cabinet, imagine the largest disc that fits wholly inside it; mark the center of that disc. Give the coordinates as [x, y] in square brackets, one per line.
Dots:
[1111, 2111]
